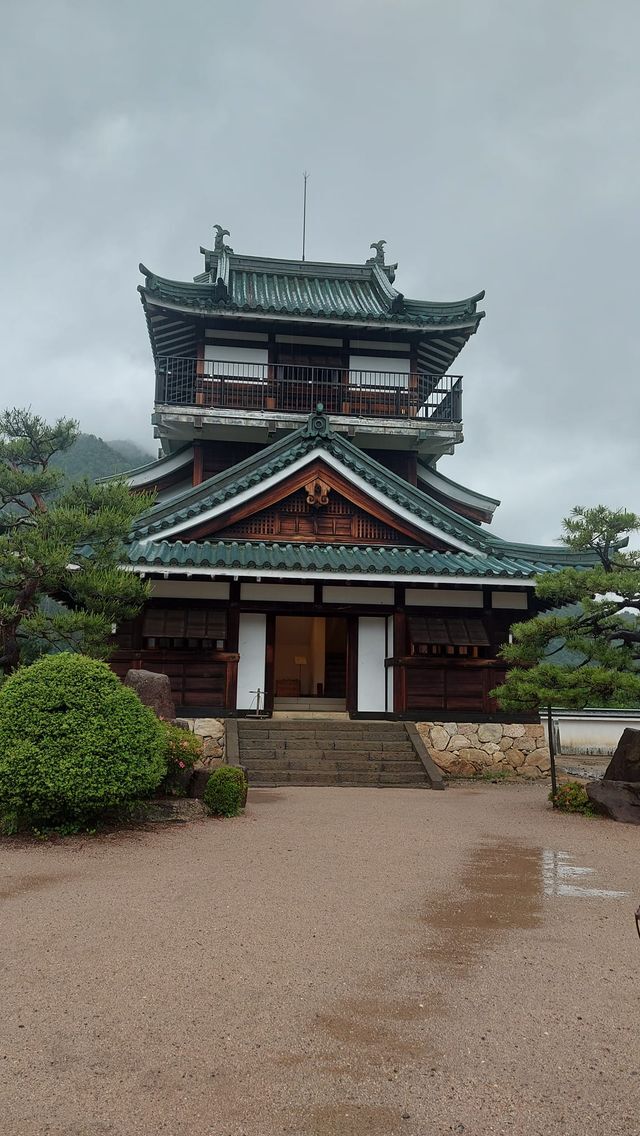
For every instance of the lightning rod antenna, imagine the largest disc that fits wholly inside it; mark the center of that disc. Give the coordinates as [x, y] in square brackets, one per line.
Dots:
[304, 214]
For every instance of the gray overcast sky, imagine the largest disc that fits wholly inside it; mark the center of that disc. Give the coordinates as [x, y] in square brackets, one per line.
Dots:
[494, 145]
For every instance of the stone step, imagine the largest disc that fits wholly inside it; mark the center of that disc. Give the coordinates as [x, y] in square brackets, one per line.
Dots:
[266, 725]
[316, 777]
[310, 715]
[257, 755]
[327, 761]
[352, 746]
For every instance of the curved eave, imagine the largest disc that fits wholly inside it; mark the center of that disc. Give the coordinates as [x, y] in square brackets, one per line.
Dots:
[457, 493]
[410, 564]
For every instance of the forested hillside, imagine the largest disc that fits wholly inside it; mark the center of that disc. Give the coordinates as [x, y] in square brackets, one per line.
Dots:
[92, 457]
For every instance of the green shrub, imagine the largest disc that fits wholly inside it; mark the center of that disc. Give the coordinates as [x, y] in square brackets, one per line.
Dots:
[181, 750]
[571, 797]
[226, 791]
[73, 741]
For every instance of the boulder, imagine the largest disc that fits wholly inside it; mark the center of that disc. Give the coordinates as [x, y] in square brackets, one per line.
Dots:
[212, 748]
[153, 690]
[489, 732]
[513, 730]
[619, 800]
[208, 727]
[439, 738]
[625, 763]
[460, 741]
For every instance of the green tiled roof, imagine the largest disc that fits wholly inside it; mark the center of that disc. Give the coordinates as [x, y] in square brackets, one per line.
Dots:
[186, 508]
[330, 558]
[350, 292]
[357, 294]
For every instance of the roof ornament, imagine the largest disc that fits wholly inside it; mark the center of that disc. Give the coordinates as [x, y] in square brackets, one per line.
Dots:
[317, 425]
[219, 245]
[379, 257]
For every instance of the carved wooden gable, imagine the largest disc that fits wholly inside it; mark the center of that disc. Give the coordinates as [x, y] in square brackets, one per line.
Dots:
[314, 515]
[315, 505]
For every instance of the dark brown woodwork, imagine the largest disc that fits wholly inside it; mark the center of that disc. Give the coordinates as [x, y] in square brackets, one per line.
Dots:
[198, 464]
[452, 685]
[270, 662]
[220, 456]
[296, 519]
[352, 664]
[278, 494]
[198, 678]
[403, 463]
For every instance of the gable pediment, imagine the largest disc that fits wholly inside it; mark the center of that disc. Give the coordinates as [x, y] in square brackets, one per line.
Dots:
[317, 504]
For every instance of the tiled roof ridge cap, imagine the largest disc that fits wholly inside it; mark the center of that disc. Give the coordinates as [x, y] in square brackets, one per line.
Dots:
[308, 268]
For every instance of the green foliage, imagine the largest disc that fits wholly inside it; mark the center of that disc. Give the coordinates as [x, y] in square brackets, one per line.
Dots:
[587, 654]
[571, 797]
[181, 750]
[91, 457]
[225, 791]
[73, 742]
[60, 584]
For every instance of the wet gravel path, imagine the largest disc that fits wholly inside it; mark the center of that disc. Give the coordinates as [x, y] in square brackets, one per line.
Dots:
[338, 961]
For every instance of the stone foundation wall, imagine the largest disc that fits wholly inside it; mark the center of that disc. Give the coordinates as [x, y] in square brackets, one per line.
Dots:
[467, 749]
[211, 730]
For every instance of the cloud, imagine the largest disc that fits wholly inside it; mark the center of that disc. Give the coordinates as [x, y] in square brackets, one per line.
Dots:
[492, 145]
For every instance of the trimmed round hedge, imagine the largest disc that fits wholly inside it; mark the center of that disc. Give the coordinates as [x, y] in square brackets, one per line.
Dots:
[226, 791]
[74, 741]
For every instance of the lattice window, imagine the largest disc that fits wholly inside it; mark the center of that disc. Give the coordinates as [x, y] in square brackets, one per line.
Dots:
[295, 519]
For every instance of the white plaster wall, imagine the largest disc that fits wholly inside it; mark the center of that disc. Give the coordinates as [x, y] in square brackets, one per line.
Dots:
[234, 355]
[287, 593]
[252, 644]
[442, 597]
[589, 733]
[394, 367]
[371, 669]
[374, 596]
[190, 589]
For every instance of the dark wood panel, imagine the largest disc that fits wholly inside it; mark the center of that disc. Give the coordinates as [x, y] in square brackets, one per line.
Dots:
[450, 686]
[197, 679]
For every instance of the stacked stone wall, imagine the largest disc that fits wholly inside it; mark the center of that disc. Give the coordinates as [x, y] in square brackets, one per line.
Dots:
[468, 749]
[211, 730]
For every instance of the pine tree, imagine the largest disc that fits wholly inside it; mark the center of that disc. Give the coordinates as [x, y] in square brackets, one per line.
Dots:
[60, 583]
[587, 653]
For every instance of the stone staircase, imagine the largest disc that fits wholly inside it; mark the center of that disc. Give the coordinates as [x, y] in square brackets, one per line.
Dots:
[337, 752]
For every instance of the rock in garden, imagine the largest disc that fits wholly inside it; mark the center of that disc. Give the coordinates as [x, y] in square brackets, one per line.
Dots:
[625, 763]
[619, 800]
[153, 690]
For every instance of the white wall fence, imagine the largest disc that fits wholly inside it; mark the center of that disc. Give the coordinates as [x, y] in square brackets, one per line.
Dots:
[595, 732]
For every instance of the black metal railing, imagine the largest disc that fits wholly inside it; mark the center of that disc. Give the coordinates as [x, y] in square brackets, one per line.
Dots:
[290, 387]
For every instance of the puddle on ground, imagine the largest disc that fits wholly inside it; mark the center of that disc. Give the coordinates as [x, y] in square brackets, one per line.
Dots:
[504, 893]
[505, 885]
[557, 869]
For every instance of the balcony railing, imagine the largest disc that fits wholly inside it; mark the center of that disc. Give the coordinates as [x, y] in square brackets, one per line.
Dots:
[290, 387]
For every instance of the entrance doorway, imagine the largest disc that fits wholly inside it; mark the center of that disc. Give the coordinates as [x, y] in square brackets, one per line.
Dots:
[310, 657]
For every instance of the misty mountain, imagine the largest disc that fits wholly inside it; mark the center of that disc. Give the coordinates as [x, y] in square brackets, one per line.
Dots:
[92, 457]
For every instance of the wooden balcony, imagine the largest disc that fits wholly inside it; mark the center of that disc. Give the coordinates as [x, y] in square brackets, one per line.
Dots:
[291, 388]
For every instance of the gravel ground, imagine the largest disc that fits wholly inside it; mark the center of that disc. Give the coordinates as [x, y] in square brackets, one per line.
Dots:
[337, 961]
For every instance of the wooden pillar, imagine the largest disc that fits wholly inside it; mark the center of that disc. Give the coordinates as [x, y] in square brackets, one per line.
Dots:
[400, 651]
[198, 464]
